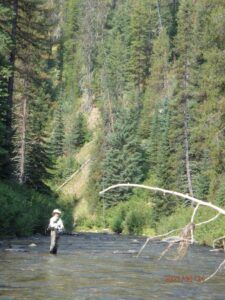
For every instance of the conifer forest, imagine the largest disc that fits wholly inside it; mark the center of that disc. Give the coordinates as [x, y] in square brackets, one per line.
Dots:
[95, 93]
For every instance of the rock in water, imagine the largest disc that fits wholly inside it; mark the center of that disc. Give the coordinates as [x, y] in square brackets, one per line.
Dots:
[33, 245]
[135, 241]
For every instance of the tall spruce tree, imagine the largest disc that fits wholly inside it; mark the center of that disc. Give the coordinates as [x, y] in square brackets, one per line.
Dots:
[210, 125]
[78, 131]
[158, 83]
[57, 136]
[140, 35]
[124, 159]
[38, 153]
[185, 47]
[5, 74]
[31, 88]
[163, 205]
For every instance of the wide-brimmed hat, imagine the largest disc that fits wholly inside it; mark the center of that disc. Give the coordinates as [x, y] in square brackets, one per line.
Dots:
[56, 211]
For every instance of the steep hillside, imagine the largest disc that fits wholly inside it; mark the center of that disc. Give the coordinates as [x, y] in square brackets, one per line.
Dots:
[78, 184]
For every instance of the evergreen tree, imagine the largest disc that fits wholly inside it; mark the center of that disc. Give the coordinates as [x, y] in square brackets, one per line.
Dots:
[158, 83]
[210, 112]
[71, 48]
[163, 58]
[38, 161]
[163, 205]
[140, 36]
[78, 132]
[123, 158]
[5, 73]
[184, 98]
[57, 137]
[30, 93]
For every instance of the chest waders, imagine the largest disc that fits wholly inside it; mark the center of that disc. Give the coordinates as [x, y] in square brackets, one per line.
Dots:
[54, 241]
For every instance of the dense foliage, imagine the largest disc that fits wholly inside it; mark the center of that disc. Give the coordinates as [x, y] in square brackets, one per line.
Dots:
[154, 69]
[25, 211]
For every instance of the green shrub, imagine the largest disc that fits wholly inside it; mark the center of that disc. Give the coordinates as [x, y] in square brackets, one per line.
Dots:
[131, 217]
[87, 222]
[25, 211]
[134, 222]
[117, 224]
[204, 234]
[178, 219]
[116, 216]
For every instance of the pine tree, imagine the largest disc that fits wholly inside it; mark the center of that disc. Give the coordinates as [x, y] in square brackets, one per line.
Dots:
[112, 71]
[210, 126]
[123, 158]
[186, 50]
[13, 6]
[140, 48]
[158, 83]
[77, 134]
[71, 49]
[38, 161]
[30, 93]
[163, 205]
[57, 136]
[5, 108]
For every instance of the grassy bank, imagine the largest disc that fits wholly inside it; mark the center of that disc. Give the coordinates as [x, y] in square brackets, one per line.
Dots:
[129, 217]
[204, 234]
[25, 211]
[136, 217]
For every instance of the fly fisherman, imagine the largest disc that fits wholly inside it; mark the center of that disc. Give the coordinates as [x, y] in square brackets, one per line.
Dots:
[56, 226]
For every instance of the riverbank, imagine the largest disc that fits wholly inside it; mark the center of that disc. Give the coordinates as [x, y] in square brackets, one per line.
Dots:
[118, 221]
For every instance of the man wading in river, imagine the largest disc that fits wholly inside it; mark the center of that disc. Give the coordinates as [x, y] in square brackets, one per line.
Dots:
[56, 227]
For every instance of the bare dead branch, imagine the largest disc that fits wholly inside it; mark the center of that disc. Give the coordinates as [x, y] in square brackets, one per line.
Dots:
[71, 177]
[156, 237]
[166, 250]
[214, 273]
[184, 242]
[194, 213]
[208, 221]
[156, 189]
[192, 221]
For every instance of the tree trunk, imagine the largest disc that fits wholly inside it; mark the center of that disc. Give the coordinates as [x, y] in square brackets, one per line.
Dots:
[12, 59]
[23, 142]
[187, 157]
[159, 15]
[110, 112]
[186, 136]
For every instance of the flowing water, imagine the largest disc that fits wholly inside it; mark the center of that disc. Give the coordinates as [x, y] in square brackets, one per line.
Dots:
[103, 266]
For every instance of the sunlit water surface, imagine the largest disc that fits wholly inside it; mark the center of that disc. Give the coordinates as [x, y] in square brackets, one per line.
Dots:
[102, 266]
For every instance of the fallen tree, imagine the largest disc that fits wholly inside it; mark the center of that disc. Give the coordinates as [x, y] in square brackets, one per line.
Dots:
[186, 236]
[72, 176]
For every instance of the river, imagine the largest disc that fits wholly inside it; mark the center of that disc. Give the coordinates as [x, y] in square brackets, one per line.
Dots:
[104, 266]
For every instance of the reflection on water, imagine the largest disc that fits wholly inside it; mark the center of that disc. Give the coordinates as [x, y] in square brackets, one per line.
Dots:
[100, 266]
